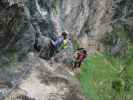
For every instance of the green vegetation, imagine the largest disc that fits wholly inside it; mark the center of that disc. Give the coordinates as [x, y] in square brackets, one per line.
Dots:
[118, 38]
[109, 76]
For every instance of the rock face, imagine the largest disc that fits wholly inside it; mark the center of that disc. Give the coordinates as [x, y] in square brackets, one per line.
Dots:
[17, 35]
[88, 18]
[29, 24]
[47, 82]
[123, 14]
[25, 23]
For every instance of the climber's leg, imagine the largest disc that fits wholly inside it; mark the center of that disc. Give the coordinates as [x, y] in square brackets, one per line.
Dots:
[79, 64]
[51, 51]
[75, 64]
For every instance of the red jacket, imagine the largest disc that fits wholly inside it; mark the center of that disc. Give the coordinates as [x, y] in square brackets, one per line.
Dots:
[81, 56]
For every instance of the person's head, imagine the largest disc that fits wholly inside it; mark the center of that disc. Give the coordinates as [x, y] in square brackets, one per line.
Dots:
[80, 49]
[84, 51]
[64, 34]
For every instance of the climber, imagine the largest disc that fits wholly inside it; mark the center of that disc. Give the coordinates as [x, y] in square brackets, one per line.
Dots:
[64, 44]
[80, 55]
[59, 42]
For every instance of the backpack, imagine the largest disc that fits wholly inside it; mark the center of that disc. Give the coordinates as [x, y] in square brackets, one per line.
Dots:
[81, 55]
[57, 43]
